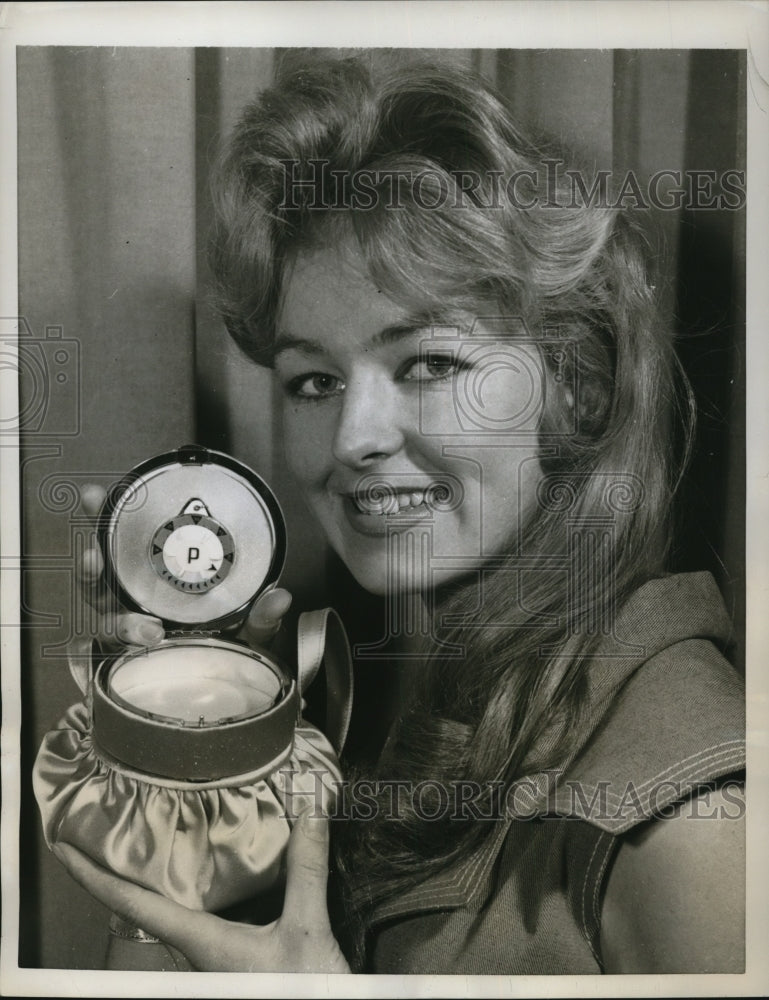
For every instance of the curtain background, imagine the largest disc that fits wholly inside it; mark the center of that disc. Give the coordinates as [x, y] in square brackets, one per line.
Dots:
[123, 357]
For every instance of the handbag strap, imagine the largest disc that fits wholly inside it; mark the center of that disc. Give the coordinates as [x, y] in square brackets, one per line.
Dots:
[80, 662]
[321, 638]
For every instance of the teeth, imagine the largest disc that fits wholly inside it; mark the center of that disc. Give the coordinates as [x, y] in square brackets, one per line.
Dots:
[390, 505]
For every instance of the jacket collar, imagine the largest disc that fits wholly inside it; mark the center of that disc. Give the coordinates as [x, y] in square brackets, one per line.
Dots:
[468, 883]
[697, 608]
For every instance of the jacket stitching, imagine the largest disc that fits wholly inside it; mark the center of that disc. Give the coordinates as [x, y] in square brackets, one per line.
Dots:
[688, 764]
[684, 771]
[596, 891]
[585, 890]
[447, 893]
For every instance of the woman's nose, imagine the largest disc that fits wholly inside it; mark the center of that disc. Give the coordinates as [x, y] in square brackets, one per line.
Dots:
[370, 424]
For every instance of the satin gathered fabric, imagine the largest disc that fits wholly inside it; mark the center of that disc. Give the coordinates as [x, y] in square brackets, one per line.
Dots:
[205, 845]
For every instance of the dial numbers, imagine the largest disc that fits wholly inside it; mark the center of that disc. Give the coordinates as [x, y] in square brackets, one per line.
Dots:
[192, 552]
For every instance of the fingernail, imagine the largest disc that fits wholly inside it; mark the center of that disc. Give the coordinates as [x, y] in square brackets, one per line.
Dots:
[150, 632]
[277, 604]
[91, 496]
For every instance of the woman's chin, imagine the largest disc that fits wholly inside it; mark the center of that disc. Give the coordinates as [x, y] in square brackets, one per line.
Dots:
[381, 582]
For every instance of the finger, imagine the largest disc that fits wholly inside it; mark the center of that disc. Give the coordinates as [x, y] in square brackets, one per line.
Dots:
[193, 932]
[92, 498]
[131, 629]
[89, 574]
[91, 566]
[266, 615]
[307, 872]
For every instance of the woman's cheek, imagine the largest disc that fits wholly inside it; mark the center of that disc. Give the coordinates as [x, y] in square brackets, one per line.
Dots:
[436, 418]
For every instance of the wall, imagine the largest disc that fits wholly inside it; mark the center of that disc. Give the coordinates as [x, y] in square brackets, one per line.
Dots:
[106, 254]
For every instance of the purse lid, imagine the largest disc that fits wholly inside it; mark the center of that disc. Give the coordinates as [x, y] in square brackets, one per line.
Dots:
[192, 537]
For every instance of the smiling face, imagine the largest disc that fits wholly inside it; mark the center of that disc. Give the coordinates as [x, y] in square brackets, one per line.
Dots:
[395, 427]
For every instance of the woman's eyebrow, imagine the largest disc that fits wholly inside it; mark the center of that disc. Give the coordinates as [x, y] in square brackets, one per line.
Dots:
[417, 324]
[390, 334]
[287, 342]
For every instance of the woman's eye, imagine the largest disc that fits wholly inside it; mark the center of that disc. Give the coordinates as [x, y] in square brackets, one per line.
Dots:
[315, 385]
[431, 368]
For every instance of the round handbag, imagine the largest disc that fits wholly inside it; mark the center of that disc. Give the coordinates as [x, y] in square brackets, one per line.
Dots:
[187, 762]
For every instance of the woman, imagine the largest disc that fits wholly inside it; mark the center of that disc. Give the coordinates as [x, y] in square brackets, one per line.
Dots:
[478, 409]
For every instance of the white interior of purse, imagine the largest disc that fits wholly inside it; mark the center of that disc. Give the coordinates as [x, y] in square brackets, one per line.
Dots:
[196, 684]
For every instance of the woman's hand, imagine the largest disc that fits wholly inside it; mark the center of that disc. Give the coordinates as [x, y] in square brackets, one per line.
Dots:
[117, 627]
[301, 940]
[264, 619]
